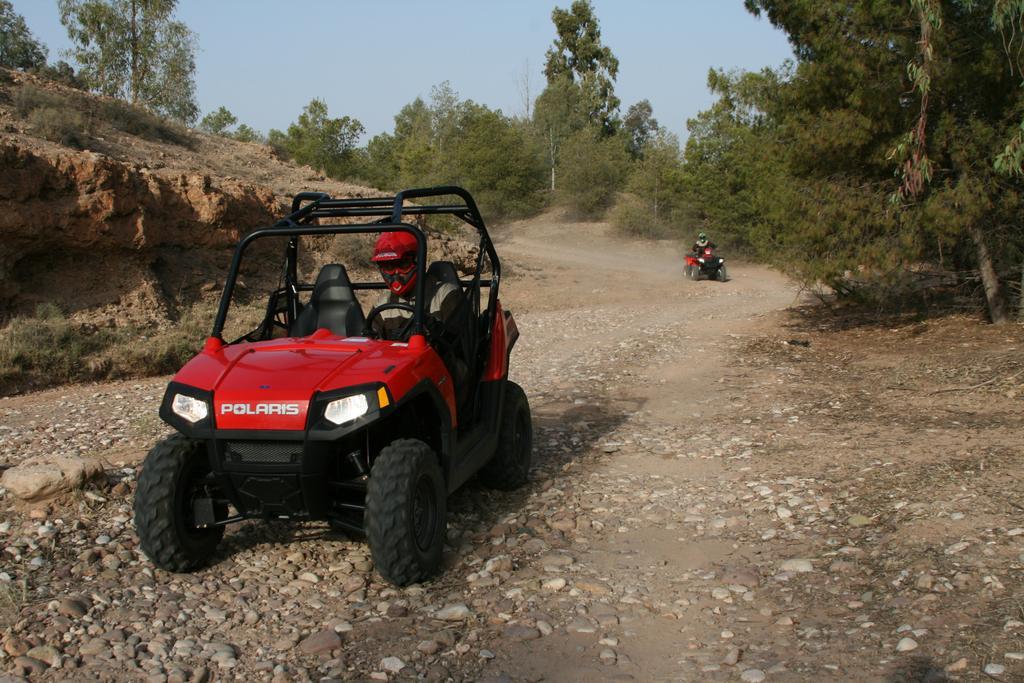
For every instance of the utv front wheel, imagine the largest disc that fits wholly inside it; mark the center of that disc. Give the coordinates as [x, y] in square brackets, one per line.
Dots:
[406, 512]
[172, 478]
[510, 466]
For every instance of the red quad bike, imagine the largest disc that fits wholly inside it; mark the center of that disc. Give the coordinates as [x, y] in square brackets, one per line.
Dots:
[310, 416]
[705, 263]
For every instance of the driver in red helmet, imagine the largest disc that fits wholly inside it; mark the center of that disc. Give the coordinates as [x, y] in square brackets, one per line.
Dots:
[395, 256]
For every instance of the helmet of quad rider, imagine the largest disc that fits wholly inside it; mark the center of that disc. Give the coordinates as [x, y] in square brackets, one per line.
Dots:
[395, 255]
[702, 238]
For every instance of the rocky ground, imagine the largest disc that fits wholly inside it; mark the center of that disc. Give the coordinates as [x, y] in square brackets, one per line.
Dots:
[722, 490]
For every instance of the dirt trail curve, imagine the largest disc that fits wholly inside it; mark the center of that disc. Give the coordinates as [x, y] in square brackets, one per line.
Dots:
[619, 347]
[693, 514]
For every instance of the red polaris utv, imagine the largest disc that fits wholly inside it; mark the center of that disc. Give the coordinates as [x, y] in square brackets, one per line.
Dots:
[311, 416]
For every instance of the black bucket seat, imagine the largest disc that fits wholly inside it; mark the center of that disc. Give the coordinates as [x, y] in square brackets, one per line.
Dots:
[333, 305]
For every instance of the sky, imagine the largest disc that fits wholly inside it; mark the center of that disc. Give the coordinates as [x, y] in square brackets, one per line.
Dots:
[265, 59]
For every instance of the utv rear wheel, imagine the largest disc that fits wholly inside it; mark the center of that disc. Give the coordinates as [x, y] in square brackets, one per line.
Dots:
[173, 476]
[510, 466]
[406, 512]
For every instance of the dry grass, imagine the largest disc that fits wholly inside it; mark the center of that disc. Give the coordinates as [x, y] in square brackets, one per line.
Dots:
[49, 349]
[13, 597]
[65, 126]
[70, 118]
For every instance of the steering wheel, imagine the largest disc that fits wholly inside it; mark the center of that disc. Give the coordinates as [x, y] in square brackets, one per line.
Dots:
[377, 310]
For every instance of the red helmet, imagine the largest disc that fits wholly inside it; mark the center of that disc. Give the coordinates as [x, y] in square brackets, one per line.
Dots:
[395, 255]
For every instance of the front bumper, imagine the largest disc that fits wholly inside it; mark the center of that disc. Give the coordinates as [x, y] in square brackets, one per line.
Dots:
[287, 477]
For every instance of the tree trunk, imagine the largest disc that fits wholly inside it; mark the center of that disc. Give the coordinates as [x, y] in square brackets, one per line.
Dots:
[551, 155]
[997, 308]
[1020, 304]
[134, 78]
[656, 179]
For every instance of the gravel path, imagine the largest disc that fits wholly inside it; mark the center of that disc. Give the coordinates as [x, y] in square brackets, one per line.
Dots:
[673, 528]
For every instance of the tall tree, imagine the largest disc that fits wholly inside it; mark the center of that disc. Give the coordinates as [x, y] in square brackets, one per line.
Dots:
[593, 168]
[913, 153]
[493, 158]
[327, 144]
[579, 56]
[448, 140]
[639, 126]
[134, 50]
[657, 174]
[557, 114]
[18, 47]
[842, 120]
[246, 133]
[734, 176]
[217, 122]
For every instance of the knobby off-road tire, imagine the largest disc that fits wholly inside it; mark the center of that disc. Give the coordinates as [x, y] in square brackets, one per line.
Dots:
[163, 506]
[722, 275]
[406, 512]
[510, 466]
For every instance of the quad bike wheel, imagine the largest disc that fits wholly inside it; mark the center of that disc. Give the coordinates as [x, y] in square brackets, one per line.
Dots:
[172, 475]
[721, 275]
[405, 512]
[510, 466]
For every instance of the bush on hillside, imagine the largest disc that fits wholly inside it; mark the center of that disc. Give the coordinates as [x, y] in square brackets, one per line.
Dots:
[66, 126]
[138, 121]
[30, 98]
[632, 217]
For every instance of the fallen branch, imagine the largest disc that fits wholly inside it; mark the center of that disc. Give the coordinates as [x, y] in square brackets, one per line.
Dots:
[979, 385]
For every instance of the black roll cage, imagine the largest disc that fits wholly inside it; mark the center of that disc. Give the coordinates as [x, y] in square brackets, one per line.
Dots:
[310, 206]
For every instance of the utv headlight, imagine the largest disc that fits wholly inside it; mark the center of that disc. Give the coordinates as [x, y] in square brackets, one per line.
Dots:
[346, 409]
[190, 409]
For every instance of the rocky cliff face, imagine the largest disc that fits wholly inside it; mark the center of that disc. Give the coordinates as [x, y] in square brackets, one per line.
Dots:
[138, 227]
[70, 217]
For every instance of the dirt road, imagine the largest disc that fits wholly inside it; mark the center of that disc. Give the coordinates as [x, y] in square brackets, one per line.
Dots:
[708, 502]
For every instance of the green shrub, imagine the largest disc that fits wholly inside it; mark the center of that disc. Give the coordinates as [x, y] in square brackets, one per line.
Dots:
[66, 126]
[591, 169]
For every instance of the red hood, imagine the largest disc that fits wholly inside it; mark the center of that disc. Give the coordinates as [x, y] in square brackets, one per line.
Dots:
[268, 385]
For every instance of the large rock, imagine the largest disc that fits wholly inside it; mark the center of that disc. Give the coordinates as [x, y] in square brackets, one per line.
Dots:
[45, 477]
[320, 642]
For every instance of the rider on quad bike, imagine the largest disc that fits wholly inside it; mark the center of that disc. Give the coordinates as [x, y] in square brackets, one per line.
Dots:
[702, 261]
[701, 243]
